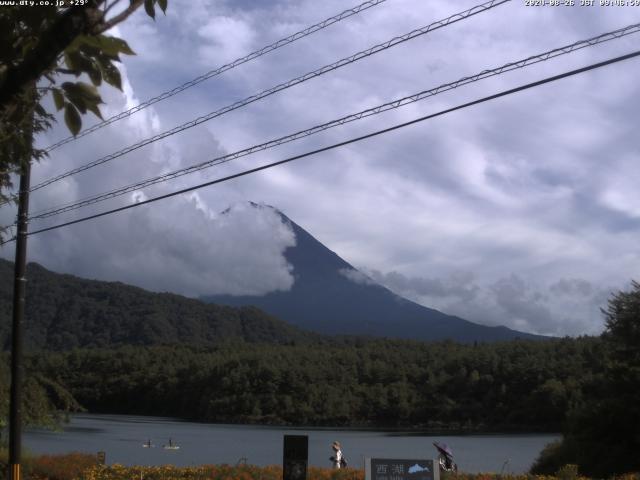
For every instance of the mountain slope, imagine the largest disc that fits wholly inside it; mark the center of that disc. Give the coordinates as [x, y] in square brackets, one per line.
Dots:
[64, 311]
[324, 300]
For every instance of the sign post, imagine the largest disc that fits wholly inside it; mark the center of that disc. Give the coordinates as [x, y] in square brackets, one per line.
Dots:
[401, 469]
[295, 457]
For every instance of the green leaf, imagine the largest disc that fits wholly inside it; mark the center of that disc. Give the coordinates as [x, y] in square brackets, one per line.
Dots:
[123, 46]
[91, 40]
[163, 6]
[111, 46]
[82, 90]
[58, 98]
[148, 7]
[73, 61]
[103, 62]
[78, 102]
[93, 108]
[94, 73]
[72, 119]
[83, 96]
[75, 44]
[88, 91]
[107, 46]
[111, 75]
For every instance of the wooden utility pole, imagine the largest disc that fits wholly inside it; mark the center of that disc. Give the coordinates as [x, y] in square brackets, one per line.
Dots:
[19, 290]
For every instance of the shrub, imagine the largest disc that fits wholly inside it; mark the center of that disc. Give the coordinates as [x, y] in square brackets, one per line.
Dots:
[70, 466]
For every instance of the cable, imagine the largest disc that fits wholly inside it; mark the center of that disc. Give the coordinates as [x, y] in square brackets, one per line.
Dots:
[531, 60]
[212, 73]
[265, 93]
[346, 142]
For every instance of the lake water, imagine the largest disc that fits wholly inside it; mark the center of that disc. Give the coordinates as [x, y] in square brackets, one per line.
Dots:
[122, 438]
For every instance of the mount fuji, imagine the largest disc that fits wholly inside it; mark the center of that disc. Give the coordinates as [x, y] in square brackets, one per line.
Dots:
[330, 296]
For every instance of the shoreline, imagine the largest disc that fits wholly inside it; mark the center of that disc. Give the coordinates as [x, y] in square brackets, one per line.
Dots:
[418, 430]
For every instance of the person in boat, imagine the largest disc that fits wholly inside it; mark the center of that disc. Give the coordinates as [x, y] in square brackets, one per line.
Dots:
[171, 445]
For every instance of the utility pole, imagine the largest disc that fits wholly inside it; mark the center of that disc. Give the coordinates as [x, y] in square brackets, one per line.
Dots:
[19, 289]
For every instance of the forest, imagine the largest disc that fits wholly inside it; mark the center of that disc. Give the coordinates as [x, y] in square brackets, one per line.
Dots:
[515, 386]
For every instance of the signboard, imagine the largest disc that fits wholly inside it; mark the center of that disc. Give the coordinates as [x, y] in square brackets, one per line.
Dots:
[101, 458]
[401, 469]
[295, 457]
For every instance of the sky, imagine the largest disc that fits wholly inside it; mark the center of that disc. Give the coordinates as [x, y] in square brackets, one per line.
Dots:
[523, 211]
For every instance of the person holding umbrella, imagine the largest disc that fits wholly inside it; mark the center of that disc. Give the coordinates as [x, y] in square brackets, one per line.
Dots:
[445, 457]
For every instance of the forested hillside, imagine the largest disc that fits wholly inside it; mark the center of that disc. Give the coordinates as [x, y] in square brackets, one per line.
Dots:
[64, 311]
[519, 385]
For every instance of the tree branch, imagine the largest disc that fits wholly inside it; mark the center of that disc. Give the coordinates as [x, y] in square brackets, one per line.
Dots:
[118, 18]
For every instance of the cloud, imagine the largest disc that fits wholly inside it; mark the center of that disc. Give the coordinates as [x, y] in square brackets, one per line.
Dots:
[459, 284]
[572, 286]
[225, 39]
[521, 211]
[356, 276]
[182, 247]
[566, 306]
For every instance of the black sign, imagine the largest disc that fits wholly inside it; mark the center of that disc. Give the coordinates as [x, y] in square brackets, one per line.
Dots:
[295, 458]
[101, 458]
[401, 469]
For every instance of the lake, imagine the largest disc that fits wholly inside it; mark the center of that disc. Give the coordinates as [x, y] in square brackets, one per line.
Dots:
[122, 438]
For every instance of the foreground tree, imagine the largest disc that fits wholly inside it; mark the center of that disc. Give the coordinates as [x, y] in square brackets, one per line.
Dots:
[603, 435]
[40, 46]
[59, 51]
[45, 402]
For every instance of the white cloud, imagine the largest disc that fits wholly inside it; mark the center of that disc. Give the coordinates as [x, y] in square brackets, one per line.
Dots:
[566, 305]
[178, 247]
[356, 276]
[223, 39]
[540, 185]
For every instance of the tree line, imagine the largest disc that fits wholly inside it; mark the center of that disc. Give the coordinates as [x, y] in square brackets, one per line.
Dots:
[520, 385]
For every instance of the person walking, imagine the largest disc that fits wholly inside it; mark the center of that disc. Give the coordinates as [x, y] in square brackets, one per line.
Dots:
[338, 458]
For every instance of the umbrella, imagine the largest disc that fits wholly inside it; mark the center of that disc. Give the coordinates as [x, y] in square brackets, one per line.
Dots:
[444, 449]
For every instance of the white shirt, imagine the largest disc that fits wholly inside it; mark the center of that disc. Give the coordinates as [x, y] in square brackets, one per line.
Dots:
[337, 456]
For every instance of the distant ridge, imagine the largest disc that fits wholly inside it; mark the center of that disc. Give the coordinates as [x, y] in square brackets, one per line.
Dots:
[64, 312]
[323, 299]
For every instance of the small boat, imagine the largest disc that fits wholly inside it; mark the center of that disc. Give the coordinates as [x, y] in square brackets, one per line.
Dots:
[148, 444]
[171, 446]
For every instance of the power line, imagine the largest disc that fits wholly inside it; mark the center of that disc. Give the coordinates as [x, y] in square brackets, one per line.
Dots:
[346, 142]
[212, 73]
[265, 93]
[531, 60]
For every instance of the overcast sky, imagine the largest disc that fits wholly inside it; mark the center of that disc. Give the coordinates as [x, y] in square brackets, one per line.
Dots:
[523, 211]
